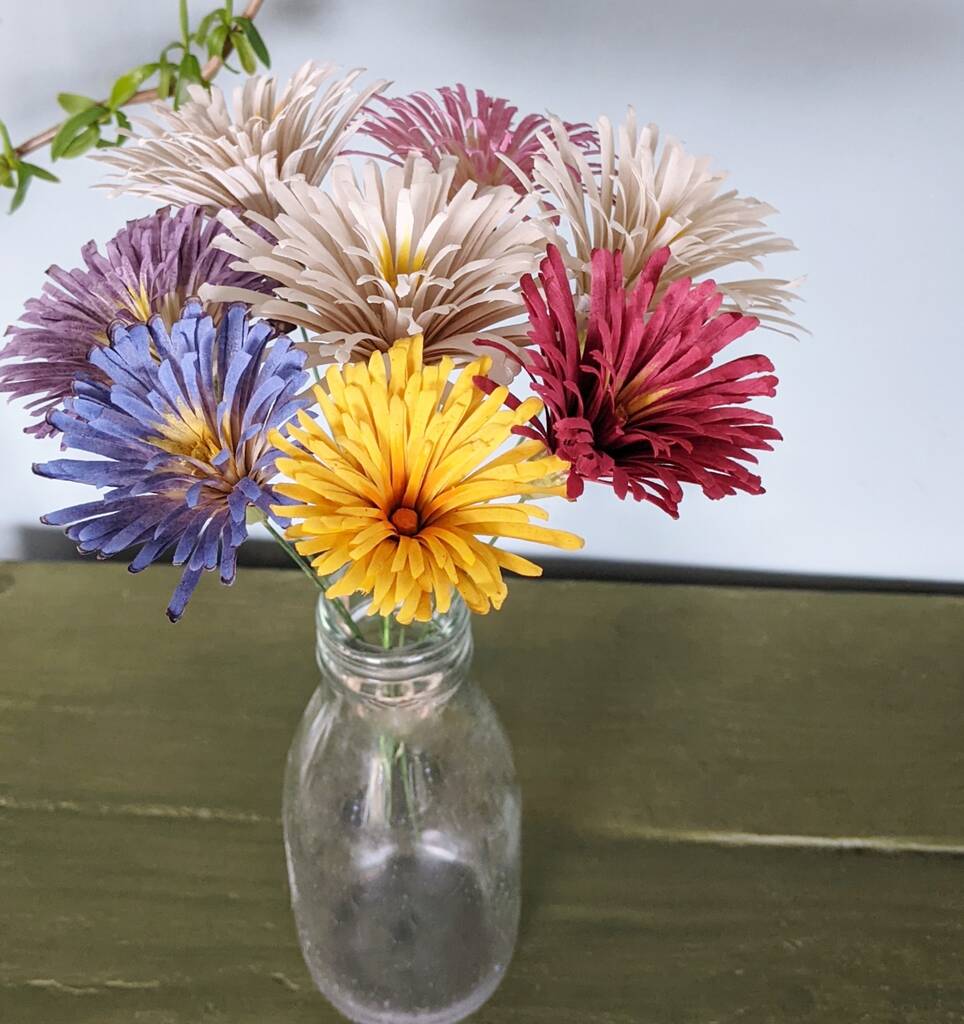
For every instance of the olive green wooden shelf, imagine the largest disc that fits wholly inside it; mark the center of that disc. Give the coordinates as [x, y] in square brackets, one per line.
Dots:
[742, 805]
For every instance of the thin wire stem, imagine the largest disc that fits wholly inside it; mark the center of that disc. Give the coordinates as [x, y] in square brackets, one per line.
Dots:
[294, 556]
[315, 372]
[319, 581]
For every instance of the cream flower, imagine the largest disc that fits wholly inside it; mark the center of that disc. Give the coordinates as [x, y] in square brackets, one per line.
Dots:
[391, 256]
[218, 157]
[643, 198]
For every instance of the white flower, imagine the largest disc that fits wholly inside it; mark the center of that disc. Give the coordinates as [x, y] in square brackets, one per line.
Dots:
[643, 197]
[391, 256]
[220, 157]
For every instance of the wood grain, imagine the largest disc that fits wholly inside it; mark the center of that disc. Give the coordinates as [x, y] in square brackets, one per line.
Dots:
[141, 869]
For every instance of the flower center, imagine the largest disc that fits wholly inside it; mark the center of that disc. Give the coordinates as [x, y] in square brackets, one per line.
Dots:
[405, 520]
[188, 434]
[399, 262]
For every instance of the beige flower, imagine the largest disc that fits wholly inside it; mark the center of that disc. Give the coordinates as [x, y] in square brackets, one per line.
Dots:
[221, 157]
[643, 197]
[390, 256]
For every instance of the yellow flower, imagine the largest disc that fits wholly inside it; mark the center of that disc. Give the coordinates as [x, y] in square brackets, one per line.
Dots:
[409, 479]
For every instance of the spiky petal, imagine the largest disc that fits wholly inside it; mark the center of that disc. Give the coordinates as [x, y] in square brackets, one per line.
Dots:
[643, 197]
[224, 157]
[640, 401]
[183, 436]
[480, 137]
[392, 255]
[151, 267]
[411, 472]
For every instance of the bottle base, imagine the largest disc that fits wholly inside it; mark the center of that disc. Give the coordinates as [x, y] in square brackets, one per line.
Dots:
[450, 1015]
[410, 942]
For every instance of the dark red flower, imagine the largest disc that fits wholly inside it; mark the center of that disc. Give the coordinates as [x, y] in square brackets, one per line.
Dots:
[633, 395]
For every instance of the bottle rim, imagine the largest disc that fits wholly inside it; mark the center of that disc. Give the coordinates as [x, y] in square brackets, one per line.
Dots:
[433, 658]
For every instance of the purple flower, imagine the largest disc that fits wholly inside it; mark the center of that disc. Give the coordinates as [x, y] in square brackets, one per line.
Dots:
[183, 434]
[151, 267]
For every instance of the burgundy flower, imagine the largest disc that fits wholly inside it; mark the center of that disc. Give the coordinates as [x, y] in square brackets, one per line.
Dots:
[634, 397]
[434, 128]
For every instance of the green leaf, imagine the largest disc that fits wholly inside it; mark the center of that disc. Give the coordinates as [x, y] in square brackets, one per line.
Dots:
[190, 68]
[217, 41]
[73, 127]
[204, 28]
[188, 72]
[8, 151]
[245, 52]
[40, 172]
[6, 179]
[81, 143]
[127, 85]
[255, 39]
[165, 78]
[20, 193]
[124, 88]
[73, 103]
[123, 121]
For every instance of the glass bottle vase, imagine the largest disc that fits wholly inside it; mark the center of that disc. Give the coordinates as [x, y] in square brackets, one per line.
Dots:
[402, 821]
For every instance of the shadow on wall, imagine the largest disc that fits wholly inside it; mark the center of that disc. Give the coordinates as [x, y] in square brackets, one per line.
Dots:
[50, 545]
[749, 38]
[746, 36]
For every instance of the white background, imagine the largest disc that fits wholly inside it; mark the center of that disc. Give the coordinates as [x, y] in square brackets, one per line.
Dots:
[845, 115]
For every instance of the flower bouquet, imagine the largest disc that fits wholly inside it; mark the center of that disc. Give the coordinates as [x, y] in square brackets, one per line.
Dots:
[390, 330]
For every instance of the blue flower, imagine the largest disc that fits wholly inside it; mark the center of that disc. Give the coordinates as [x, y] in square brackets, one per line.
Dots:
[183, 435]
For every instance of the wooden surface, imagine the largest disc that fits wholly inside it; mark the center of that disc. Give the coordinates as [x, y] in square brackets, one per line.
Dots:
[741, 805]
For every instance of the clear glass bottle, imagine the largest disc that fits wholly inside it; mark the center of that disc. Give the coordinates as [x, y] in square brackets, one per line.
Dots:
[402, 818]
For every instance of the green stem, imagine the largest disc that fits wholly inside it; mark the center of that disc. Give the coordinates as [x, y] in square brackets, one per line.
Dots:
[293, 555]
[407, 767]
[315, 372]
[319, 581]
[386, 632]
[185, 26]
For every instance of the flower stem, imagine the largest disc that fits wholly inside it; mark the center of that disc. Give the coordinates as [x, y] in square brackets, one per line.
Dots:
[319, 581]
[315, 372]
[293, 554]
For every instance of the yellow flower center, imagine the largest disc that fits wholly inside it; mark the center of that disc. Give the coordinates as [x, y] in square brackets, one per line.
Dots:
[167, 307]
[400, 263]
[188, 435]
[140, 304]
[635, 407]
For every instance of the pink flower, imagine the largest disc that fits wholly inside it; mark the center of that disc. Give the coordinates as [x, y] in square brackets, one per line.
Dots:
[637, 399]
[436, 128]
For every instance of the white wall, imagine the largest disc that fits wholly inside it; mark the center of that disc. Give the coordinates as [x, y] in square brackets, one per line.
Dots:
[847, 116]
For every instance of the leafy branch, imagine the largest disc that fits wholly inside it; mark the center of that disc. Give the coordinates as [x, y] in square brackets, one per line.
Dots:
[102, 124]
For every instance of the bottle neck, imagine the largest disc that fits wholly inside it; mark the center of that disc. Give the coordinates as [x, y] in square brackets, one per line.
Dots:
[424, 662]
